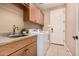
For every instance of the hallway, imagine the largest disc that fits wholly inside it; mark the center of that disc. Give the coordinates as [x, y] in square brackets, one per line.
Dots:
[57, 50]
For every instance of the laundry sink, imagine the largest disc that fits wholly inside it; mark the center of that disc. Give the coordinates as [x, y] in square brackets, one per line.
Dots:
[17, 35]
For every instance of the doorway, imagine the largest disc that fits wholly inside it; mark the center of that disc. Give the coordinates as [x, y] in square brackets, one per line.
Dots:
[57, 26]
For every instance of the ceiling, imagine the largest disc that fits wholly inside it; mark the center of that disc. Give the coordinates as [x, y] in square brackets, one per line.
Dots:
[44, 6]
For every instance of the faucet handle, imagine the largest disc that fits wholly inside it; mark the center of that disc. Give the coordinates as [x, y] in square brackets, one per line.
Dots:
[17, 28]
[13, 25]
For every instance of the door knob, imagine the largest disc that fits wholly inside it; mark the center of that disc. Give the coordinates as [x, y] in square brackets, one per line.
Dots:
[52, 29]
[75, 37]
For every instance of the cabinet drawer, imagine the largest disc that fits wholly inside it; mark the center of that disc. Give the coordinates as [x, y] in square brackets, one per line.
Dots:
[29, 50]
[18, 53]
[32, 50]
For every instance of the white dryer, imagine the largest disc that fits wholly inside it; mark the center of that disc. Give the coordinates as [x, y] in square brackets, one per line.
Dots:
[42, 42]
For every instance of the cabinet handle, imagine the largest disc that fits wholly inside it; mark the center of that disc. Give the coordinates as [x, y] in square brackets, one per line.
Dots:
[25, 50]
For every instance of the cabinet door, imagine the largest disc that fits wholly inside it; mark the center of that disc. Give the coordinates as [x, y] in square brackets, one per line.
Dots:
[32, 51]
[29, 50]
[40, 18]
[19, 53]
[35, 14]
[32, 14]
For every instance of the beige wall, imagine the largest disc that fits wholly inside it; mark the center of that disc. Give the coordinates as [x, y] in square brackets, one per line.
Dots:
[70, 27]
[46, 19]
[10, 15]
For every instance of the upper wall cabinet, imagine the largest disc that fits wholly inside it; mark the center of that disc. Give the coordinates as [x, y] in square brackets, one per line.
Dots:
[33, 14]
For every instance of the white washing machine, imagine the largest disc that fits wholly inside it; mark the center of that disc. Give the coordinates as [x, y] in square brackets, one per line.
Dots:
[42, 42]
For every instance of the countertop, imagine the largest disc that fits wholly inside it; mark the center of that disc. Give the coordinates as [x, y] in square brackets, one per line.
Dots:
[6, 40]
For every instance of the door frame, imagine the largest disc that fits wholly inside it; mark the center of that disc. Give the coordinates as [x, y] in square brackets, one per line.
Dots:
[77, 19]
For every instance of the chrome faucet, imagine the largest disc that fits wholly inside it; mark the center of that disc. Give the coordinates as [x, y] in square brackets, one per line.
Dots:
[14, 29]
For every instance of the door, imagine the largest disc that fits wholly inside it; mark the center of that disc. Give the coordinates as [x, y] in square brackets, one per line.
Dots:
[57, 26]
[71, 17]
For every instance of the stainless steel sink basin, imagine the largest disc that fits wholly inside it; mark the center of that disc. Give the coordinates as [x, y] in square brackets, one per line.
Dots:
[17, 35]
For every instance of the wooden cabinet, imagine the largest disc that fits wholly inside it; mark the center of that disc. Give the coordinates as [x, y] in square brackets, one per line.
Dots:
[33, 11]
[29, 50]
[40, 18]
[20, 52]
[33, 14]
[23, 47]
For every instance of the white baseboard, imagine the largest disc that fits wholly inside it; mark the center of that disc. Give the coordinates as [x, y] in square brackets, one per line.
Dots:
[57, 44]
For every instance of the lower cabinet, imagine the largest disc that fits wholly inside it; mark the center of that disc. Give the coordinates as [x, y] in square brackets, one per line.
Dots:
[18, 53]
[29, 50]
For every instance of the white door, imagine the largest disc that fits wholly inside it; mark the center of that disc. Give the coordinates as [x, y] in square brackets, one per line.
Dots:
[57, 28]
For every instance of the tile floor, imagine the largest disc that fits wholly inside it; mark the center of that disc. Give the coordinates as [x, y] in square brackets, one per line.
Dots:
[57, 50]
